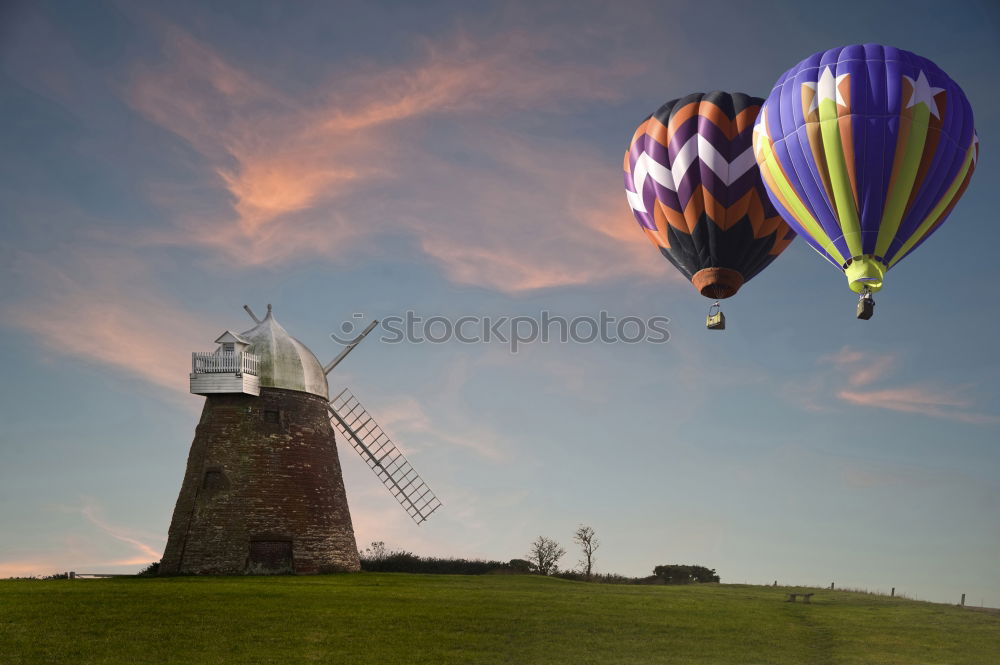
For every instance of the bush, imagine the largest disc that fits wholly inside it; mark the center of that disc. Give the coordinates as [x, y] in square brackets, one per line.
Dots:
[520, 566]
[407, 562]
[613, 578]
[152, 570]
[571, 575]
[379, 559]
[675, 574]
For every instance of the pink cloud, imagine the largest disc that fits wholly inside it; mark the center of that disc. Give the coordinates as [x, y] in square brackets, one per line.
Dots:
[858, 370]
[410, 419]
[437, 418]
[922, 400]
[106, 547]
[862, 367]
[35, 566]
[543, 214]
[483, 74]
[143, 551]
[845, 357]
[332, 174]
[82, 308]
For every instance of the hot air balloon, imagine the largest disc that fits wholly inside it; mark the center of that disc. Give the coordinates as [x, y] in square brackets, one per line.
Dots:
[695, 189]
[865, 150]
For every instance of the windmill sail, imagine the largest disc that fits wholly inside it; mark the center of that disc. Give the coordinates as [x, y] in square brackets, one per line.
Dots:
[382, 456]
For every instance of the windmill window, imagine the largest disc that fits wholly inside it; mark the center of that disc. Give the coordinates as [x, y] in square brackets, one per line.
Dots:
[214, 480]
[273, 417]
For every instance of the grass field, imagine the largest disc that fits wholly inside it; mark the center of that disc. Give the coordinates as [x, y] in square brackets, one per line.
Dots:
[387, 619]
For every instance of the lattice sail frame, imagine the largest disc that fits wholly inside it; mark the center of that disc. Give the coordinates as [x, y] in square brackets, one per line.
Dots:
[382, 456]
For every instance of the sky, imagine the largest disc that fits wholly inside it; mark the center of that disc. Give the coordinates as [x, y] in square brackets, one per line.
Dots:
[161, 164]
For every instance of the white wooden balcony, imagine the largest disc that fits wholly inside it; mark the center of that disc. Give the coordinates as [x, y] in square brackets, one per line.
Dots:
[213, 362]
[215, 372]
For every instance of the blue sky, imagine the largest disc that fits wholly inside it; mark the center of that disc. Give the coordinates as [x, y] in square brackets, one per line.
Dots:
[161, 165]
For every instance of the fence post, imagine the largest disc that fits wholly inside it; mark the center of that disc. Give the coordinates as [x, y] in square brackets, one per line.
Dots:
[892, 594]
[831, 586]
[963, 600]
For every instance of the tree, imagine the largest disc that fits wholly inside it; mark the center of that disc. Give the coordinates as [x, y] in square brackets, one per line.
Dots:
[675, 574]
[376, 552]
[585, 537]
[544, 554]
[519, 566]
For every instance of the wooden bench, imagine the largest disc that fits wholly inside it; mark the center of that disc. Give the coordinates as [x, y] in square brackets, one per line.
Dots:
[805, 597]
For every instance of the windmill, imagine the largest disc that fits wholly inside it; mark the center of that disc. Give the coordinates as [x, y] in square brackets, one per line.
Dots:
[263, 490]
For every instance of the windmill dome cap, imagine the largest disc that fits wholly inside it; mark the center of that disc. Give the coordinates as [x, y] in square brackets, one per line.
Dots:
[283, 361]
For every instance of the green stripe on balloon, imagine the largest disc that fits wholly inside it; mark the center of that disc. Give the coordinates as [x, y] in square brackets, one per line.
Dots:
[840, 183]
[913, 150]
[928, 222]
[794, 203]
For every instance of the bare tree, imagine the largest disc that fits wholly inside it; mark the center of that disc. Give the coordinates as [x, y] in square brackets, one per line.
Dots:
[544, 554]
[376, 552]
[585, 537]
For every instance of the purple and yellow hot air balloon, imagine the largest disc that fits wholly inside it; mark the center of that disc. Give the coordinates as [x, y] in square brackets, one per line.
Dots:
[695, 189]
[865, 150]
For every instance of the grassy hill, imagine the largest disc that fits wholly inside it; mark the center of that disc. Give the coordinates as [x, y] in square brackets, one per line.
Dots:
[388, 619]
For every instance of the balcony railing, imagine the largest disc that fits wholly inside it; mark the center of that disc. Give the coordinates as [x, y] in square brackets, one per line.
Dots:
[211, 362]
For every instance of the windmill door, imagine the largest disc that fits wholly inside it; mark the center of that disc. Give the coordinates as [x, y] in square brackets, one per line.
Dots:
[272, 557]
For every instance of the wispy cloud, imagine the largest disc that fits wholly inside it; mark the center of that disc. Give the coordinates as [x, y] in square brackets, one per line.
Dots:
[537, 214]
[90, 544]
[465, 527]
[358, 161]
[861, 368]
[84, 309]
[31, 567]
[440, 417]
[933, 402]
[143, 551]
[854, 372]
[406, 418]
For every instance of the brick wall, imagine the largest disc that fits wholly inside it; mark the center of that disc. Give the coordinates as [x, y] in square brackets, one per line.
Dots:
[261, 470]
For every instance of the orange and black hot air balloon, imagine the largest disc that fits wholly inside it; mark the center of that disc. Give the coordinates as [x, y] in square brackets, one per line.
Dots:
[694, 187]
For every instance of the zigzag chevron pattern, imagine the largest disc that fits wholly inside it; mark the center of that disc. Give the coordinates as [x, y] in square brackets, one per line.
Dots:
[698, 150]
[691, 165]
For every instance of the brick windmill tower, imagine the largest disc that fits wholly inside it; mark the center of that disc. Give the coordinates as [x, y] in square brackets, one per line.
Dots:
[263, 490]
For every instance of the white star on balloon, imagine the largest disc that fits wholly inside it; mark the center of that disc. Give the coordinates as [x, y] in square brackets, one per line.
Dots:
[923, 92]
[828, 87]
[760, 135]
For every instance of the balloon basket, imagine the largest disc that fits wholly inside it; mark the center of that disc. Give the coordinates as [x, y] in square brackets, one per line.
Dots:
[715, 320]
[866, 306]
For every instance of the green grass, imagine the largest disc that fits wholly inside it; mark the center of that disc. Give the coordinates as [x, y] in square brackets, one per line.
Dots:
[388, 619]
